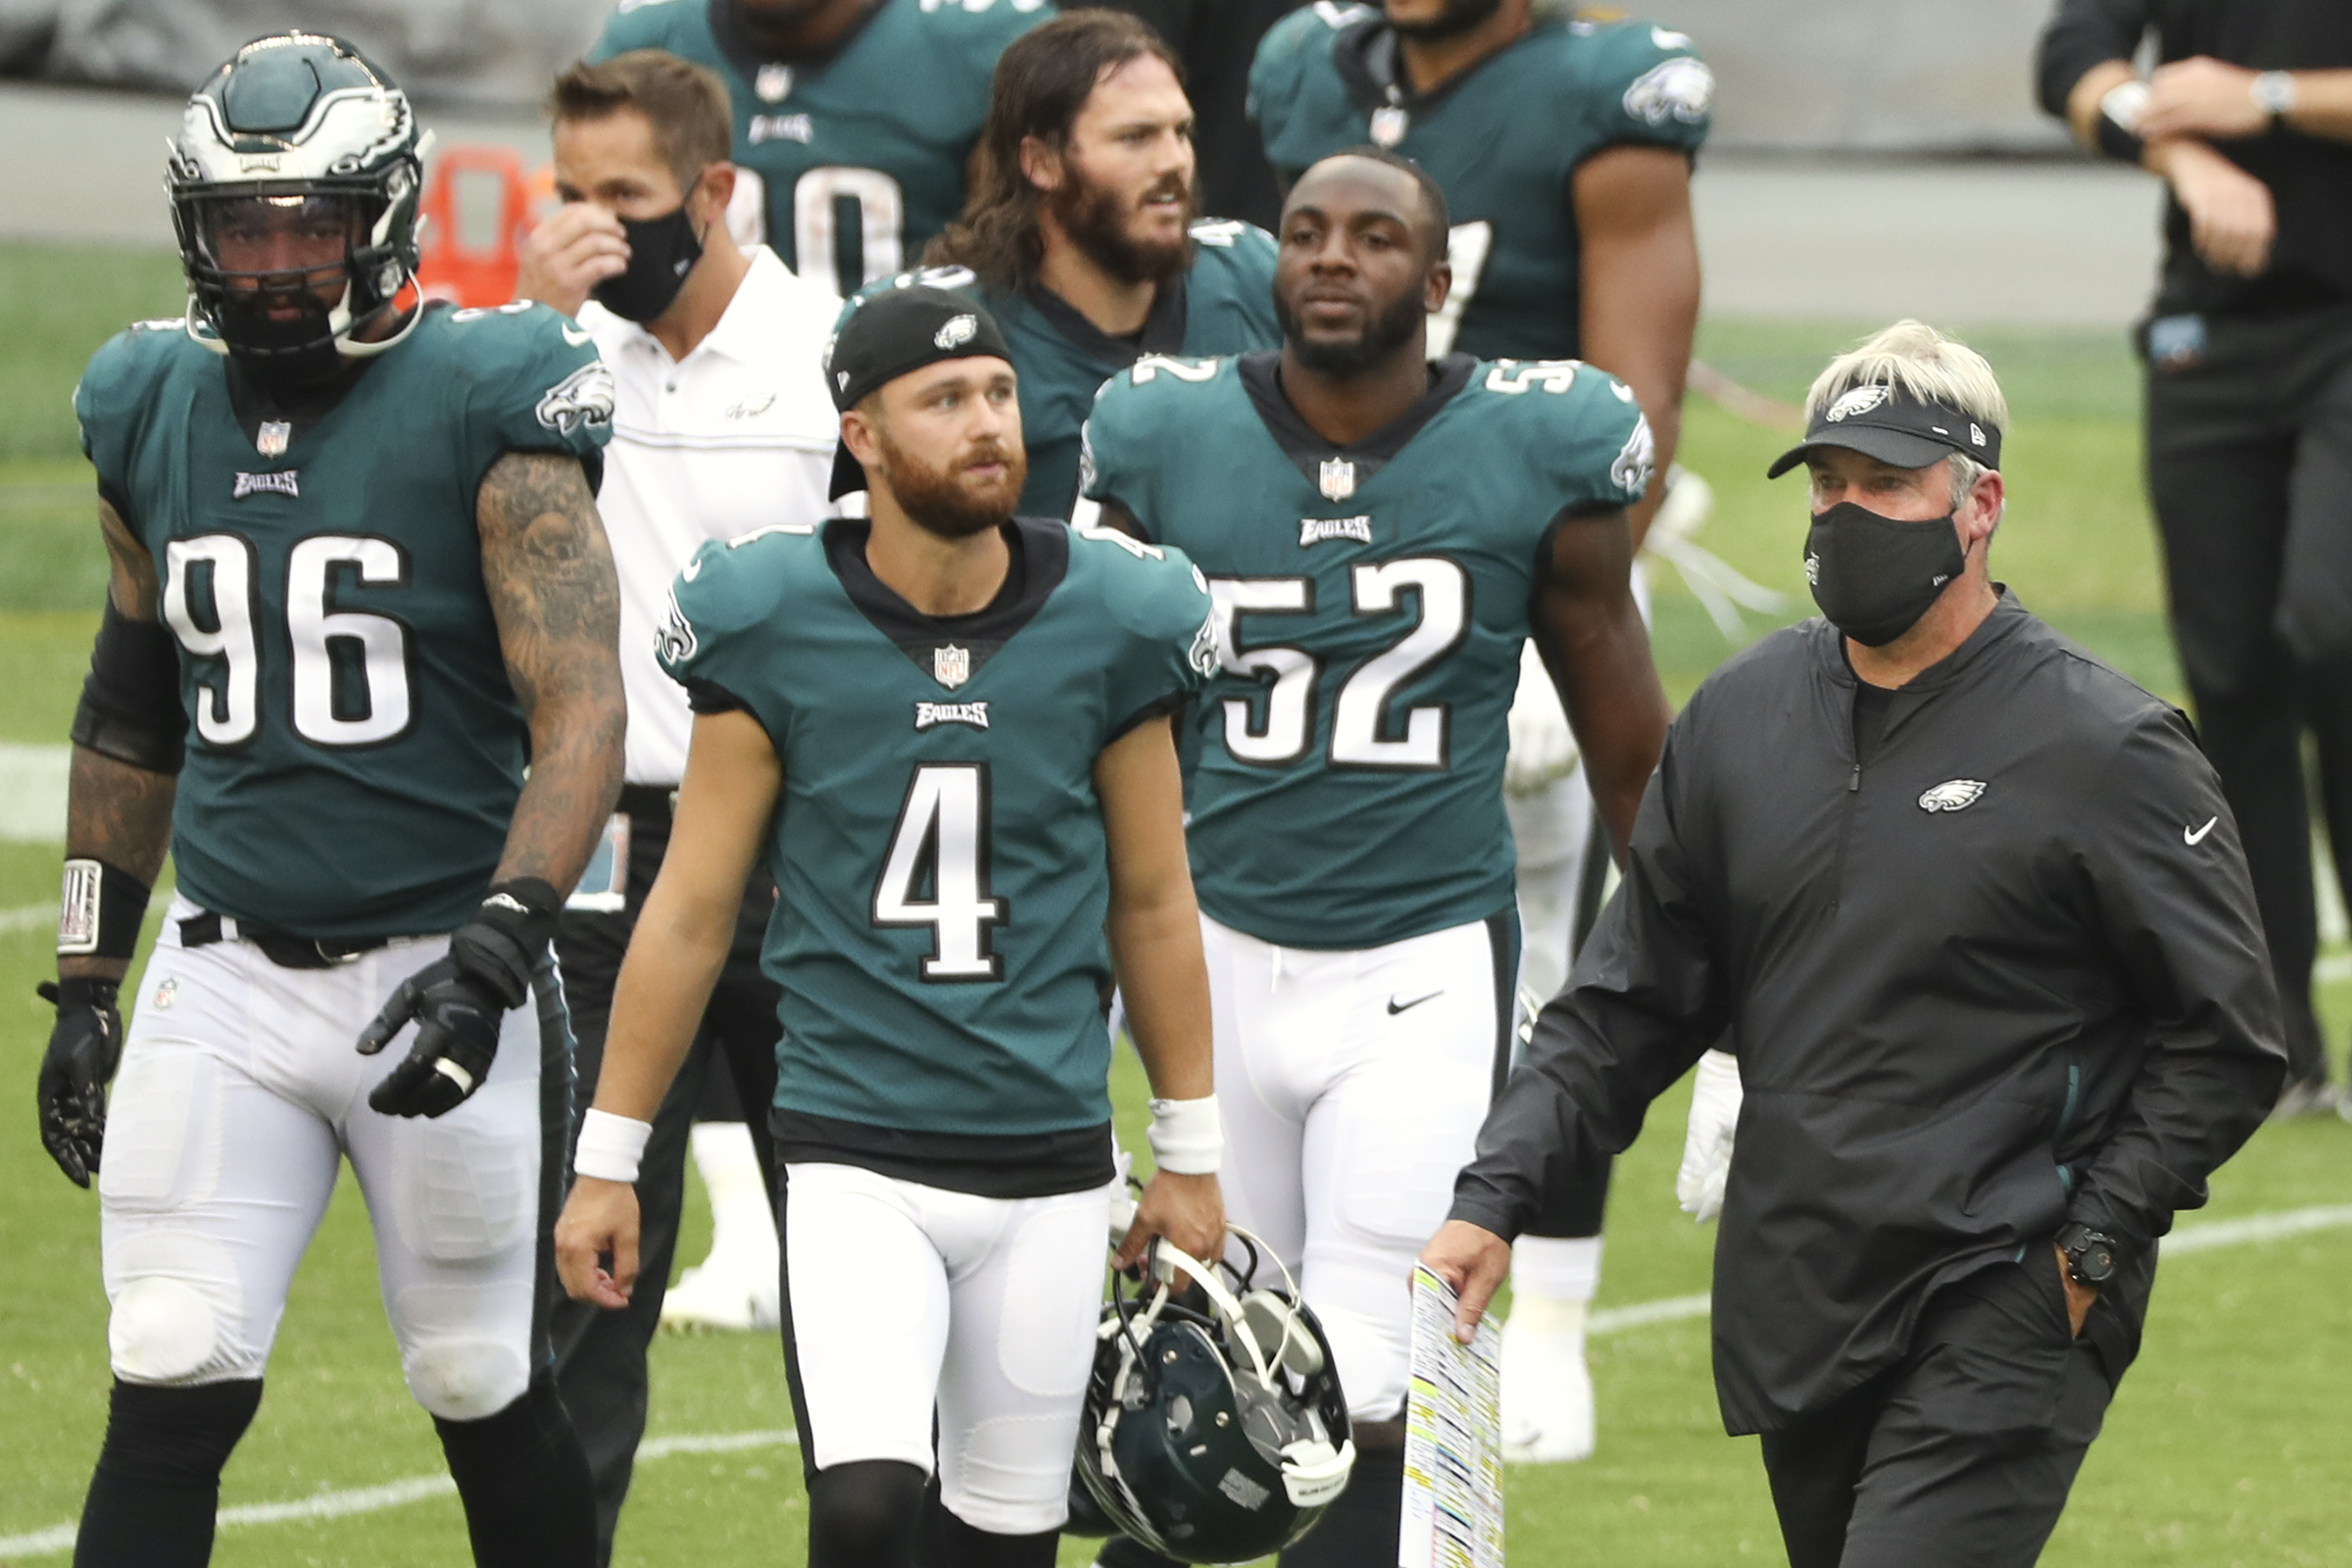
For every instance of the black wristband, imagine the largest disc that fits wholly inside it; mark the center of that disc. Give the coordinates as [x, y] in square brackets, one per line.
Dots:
[99, 911]
[2118, 143]
[531, 902]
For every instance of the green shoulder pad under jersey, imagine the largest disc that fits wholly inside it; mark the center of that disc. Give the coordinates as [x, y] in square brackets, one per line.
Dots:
[354, 749]
[1504, 140]
[1372, 600]
[1223, 304]
[939, 851]
[855, 159]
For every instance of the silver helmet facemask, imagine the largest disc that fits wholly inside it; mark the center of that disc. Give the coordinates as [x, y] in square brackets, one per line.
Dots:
[295, 183]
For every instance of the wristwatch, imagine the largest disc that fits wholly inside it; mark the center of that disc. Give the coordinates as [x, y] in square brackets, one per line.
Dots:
[2092, 1256]
[2274, 93]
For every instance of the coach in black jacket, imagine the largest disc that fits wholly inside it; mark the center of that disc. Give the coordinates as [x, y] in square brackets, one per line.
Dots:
[1975, 914]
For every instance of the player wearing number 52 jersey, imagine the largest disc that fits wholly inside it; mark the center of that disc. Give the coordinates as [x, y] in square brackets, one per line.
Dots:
[854, 119]
[1381, 534]
[945, 731]
[359, 582]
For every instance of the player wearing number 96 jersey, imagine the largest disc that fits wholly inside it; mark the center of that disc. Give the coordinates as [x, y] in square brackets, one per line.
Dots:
[359, 581]
[1381, 534]
[854, 119]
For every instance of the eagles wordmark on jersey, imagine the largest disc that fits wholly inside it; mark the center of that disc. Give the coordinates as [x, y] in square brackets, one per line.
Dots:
[855, 159]
[1223, 303]
[354, 748]
[940, 847]
[1504, 140]
[1371, 605]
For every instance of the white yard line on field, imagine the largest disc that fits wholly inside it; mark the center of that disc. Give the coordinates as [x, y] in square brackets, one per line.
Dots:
[1608, 1320]
[27, 917]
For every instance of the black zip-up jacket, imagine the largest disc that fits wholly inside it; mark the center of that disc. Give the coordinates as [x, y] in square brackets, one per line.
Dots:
[2310, 176]
[2007, 976]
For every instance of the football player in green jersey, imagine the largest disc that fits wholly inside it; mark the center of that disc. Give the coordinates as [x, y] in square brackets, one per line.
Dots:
[854, 119]
[946, 731]
[1382, 534]
[1564, 146]
[1079, 235]
[354, 550]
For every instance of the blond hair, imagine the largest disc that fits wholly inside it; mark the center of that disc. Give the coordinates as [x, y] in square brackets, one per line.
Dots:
[1923, 365]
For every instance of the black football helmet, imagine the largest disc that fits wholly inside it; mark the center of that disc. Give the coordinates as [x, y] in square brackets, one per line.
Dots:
[296, 175]
[1218, 1436]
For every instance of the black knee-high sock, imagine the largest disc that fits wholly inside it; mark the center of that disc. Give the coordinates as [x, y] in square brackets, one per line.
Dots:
[529, 1501]
[158, 1482]
[869, 1513]
[956, 1545]
[1360, 1530]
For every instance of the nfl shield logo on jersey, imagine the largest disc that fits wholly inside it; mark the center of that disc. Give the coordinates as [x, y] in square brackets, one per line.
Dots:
[951, 666]
[1337, 479]
[1389, 125]
[773, 84]
[274, 437]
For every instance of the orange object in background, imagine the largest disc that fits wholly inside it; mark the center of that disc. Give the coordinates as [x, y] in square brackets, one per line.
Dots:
[476, 208]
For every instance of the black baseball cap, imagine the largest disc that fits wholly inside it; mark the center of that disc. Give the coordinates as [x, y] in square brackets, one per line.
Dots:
[1888, 423]
[895, 333]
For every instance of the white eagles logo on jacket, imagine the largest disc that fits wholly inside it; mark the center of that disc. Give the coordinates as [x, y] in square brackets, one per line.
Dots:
[1952, 795]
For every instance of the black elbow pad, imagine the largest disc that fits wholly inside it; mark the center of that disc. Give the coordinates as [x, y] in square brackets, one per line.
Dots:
[130, 707]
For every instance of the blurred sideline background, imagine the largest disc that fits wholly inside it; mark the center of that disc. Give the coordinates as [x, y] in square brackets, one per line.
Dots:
[1872, 158]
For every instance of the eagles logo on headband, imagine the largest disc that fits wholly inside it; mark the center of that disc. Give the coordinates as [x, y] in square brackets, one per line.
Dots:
[1888, 423]
[894, 334]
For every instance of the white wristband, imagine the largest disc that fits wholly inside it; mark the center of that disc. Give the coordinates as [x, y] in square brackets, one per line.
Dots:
[610, 1146]
[1187, 1137]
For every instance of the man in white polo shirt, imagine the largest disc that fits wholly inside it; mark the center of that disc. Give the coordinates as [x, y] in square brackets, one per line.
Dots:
[722, 428]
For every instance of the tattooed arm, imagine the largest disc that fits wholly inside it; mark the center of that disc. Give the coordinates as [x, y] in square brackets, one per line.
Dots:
[550, 576]
[117, 812]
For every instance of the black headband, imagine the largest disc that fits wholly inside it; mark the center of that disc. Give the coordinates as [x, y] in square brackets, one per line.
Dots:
[1888, 423]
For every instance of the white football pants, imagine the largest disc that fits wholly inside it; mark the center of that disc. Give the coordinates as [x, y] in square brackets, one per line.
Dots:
[239, 1093]
[902, 1298]
[1353, 1085]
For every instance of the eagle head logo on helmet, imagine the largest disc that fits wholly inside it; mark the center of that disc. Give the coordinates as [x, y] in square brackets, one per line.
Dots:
[295, 181]
[1213, 1436]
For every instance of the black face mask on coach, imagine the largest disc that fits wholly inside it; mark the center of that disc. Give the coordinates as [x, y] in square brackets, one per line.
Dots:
[1874, 576]
[661, 252]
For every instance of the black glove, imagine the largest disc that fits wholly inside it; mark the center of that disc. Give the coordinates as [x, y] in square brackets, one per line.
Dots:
[459, 1002]
[84, 1046]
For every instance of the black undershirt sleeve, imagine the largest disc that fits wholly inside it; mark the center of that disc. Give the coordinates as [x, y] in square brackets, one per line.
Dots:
[2083, 33]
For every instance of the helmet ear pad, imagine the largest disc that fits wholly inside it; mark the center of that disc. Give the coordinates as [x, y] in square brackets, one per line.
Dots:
[1281, 1333]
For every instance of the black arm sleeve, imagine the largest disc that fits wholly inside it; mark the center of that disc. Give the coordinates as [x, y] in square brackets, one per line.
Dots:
[2083, 34]
[130, 706]
[1645, 1000]
[2181, 919]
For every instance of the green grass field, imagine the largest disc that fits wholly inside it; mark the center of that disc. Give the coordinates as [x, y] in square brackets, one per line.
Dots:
[2227, 1444]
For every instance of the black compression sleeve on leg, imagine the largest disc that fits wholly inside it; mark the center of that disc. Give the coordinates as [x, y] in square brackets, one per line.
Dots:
[131, 708]
[524, 1483]
[867, 1513]
[1360, 1529]
[956, 1545]
[158, 1483]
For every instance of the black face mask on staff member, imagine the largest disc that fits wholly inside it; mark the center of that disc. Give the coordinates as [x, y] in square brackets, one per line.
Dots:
[1873, 576]
[661, 252]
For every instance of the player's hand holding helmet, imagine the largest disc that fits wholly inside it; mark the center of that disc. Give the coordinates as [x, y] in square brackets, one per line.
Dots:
[1217, 1436]
[85, 1045]
[458, 1002]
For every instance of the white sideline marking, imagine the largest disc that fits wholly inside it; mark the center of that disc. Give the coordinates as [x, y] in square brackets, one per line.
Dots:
[1609, 1320]
[27, 918]
[33, 792]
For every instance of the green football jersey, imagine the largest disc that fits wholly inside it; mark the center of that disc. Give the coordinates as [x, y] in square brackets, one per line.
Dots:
[860, 153]
[1222, 304]
[1371, 603]
[939, 852]
[1504, 140]
[353, 748]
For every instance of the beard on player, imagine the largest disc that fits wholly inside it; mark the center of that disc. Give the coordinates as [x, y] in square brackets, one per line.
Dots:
[1452, 19]
[978, 490]
[1128, 236]
[1385, 327]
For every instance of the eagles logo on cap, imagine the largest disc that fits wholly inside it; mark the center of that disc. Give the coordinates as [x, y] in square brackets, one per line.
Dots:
[1861, 400]
[956, 332]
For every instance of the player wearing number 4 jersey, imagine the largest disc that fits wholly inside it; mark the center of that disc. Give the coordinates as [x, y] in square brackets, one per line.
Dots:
[854, 119]
[359, 581]
[946, 733]
[1382, 535]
